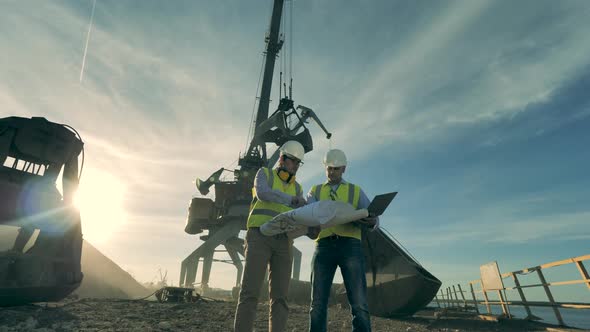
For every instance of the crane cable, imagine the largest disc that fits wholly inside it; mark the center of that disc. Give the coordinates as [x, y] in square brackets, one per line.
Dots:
[282, 58]
[287, 59]
[291, 50]
[256, 100]
[251, 130]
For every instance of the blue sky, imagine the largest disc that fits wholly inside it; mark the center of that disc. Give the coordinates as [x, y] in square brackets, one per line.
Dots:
[475, 111]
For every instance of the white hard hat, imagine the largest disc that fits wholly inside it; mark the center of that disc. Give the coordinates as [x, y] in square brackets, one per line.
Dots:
[293, 149]
[335, 158]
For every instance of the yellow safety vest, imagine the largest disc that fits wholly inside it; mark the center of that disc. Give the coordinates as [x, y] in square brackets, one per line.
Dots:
[263, 211]
[346, 192]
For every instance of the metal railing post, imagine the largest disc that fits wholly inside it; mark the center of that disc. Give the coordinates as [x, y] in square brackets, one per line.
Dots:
[474, 299]
[447, 303]
[583, 272]
[456, 297]
[442, 296]
[462, 296]
[550, 297]
[449, 297]
[522, 297]
[504, 304]
[485, 296]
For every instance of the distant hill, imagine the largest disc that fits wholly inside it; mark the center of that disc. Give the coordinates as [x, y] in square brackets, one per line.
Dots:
[103, 278]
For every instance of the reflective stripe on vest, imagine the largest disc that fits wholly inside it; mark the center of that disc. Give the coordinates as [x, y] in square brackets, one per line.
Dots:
[346, 192]
[263, 211]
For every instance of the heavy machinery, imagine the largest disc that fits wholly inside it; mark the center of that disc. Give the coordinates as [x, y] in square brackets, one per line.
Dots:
[397, 283]
[43, 263]
[227, 215]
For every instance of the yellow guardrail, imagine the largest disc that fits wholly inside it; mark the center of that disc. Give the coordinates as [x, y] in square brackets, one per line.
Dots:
[451, 298]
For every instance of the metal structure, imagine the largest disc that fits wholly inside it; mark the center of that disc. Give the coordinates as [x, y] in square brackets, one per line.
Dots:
[397, 285]
[451, 299]
[227, 215]
[44, 262]
[176, 294]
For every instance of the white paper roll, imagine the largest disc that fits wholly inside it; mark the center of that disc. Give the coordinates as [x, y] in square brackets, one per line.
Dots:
[323, 213]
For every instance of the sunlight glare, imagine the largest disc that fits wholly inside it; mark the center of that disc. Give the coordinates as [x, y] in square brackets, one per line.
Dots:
[100, 199]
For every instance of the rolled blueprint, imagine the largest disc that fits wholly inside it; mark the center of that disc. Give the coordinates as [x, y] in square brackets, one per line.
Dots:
[322, 213]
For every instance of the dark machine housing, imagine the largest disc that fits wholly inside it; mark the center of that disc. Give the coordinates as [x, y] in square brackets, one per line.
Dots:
[43, 264]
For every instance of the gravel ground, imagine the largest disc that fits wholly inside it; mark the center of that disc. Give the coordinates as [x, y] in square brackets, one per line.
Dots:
[211, 315]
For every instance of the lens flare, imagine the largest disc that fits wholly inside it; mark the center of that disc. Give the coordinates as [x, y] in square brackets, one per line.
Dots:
[100, 199]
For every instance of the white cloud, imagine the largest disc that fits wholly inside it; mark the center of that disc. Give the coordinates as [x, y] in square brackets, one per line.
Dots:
[500, 229]
[159, 119]
[155, 149]
[447, 75]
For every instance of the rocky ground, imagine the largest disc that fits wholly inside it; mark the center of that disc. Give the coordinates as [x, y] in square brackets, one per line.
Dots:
[214, 315]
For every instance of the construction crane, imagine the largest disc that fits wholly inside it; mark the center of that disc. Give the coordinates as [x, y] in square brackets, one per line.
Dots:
[396, 282]
[227, 215]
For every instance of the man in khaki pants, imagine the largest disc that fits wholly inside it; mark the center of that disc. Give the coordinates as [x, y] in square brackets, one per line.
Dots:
[275, 191]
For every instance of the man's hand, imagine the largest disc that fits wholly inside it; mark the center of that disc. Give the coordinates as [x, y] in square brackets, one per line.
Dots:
[297, 202]
[313, 232]
[370, 221]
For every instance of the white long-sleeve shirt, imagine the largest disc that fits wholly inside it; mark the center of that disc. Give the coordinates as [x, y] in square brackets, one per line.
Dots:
[265, 193]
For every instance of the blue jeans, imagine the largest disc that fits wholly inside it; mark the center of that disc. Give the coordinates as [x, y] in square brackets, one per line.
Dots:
[346, 253]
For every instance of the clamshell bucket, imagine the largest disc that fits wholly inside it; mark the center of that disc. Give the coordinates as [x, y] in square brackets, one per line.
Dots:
[397, 285]
[43, 263]
[200, 213]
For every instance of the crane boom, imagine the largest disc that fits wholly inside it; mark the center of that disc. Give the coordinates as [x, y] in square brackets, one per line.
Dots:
[273, 45]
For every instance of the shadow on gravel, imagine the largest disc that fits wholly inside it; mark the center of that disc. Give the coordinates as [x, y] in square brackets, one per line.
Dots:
[32, 316]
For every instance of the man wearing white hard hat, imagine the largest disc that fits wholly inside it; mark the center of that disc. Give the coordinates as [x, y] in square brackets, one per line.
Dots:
[275, 191]
[339, 246]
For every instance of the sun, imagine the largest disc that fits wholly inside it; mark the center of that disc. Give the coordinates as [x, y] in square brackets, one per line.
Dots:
[100, 199]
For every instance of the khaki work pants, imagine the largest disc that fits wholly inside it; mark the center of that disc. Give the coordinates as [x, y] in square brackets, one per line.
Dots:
[262, 251]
